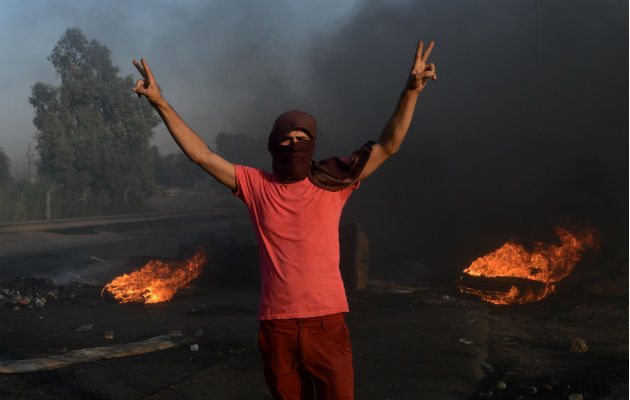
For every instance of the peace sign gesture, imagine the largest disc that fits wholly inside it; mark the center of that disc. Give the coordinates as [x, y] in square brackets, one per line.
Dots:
[147, 86]
[420, 70]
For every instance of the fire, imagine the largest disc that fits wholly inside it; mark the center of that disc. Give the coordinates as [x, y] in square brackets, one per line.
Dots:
[157, 281]
[547, 265]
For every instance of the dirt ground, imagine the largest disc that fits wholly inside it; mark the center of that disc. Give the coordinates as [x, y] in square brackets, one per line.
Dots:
[431, 343]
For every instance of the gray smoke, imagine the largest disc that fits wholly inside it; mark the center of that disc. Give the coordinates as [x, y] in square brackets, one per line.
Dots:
[525, 127]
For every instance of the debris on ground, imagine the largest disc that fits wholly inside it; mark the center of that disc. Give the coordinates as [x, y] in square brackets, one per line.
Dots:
[487, 368]
[443, 299]
[31, 292]
[391, 287]
[578, 345]
[465, 341]
[84, 328]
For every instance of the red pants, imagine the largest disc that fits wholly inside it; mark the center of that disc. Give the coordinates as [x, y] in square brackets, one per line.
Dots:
[307, 358]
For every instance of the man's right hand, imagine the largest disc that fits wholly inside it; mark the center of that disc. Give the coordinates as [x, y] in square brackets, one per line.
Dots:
[147, 87]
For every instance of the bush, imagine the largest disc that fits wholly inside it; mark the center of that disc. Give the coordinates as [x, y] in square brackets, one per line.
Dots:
[22, 201]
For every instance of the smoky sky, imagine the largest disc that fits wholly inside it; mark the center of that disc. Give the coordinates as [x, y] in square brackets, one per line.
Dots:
[526, 126]
[225, 66]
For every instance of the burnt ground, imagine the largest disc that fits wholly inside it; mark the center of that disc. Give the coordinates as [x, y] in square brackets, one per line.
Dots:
[431, 343]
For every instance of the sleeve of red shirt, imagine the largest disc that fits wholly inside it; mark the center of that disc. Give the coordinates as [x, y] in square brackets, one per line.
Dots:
[246, 178]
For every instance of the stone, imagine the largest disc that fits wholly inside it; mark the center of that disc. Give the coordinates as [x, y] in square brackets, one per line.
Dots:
[578, 345]
[354, 257]
[84, 328]
[487, 368]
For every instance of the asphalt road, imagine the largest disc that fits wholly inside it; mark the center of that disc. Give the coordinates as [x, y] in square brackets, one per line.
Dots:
[425, 344]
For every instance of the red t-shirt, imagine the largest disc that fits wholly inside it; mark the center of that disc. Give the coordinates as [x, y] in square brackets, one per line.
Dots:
[297, 227]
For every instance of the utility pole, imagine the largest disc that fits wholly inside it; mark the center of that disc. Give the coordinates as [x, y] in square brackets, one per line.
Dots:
[29, 155]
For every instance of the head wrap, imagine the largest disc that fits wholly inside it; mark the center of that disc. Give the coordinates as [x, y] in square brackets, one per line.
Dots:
[294, 162]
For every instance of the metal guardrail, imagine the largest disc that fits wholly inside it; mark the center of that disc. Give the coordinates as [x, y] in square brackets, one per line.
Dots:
[67, 223]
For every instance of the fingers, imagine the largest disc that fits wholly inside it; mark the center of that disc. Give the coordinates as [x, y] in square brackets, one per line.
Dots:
[422, 56]
[427, 52]
[422, 76]
[428, 74]
[139, 89]
[149, 74]
[430, 68]
[140, 69]
[418, 52]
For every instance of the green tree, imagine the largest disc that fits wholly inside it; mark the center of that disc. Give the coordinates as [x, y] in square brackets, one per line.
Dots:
[5, 163]
[92, 133]
[175, 169]
[244, 149]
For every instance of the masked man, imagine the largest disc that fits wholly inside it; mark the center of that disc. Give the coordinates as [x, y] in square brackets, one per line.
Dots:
[295, 211]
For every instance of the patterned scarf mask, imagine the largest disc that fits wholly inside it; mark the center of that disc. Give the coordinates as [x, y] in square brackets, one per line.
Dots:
[294, 162]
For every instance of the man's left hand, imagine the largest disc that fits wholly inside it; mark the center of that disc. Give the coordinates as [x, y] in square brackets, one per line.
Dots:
[421, 71]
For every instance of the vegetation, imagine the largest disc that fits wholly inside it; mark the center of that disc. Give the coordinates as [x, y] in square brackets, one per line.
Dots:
[175, 169]
[92, 133]
[93, 142]
[243, 149]
[5, 163]
[23, 201]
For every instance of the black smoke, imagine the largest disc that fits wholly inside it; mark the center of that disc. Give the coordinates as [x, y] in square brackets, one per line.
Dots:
[525, 128]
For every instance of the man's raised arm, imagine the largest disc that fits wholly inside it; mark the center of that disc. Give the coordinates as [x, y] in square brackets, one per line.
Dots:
[398, 124]
[196, 150]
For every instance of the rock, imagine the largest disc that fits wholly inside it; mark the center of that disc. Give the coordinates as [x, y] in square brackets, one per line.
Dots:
[576, 396]
[84, 328]
[487, 368]
[578, 345]
[194, 347]
[447, 299]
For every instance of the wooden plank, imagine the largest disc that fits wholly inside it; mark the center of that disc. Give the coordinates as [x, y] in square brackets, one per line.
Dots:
[153, 344]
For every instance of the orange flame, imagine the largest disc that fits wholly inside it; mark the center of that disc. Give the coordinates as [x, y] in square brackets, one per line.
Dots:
[547, 264]
[157, 281]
